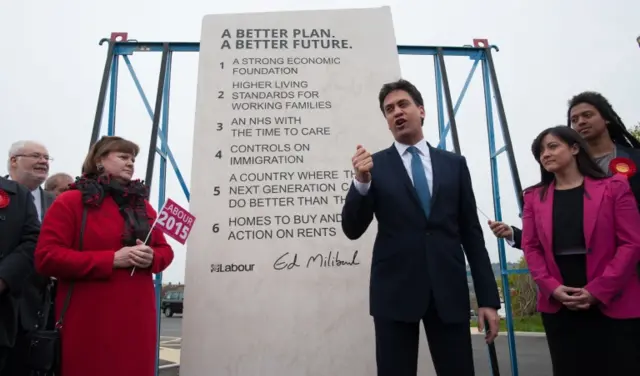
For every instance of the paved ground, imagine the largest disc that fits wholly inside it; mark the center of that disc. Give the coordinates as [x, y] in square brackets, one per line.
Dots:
[171, 327]
[170, 343]
[532, 352]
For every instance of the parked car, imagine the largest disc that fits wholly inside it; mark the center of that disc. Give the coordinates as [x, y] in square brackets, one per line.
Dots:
[172, 303]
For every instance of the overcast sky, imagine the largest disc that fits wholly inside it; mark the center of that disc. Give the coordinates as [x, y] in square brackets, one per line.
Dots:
[549, 50]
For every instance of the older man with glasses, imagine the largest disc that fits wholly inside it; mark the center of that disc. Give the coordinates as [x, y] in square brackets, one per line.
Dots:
[28, 165]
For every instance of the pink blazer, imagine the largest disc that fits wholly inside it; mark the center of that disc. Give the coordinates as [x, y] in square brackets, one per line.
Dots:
[612, 236]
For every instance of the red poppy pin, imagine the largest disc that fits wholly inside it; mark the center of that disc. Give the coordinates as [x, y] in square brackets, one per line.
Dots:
[623, 166]
[4, 199]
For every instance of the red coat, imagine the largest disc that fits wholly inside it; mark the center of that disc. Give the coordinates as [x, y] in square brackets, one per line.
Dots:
[110, 326]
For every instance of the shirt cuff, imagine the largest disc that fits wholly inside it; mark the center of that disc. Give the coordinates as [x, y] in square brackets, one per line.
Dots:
[362, 188]
[510, 240]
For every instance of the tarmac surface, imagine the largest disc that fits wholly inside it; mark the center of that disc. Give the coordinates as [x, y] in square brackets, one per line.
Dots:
[531, 348]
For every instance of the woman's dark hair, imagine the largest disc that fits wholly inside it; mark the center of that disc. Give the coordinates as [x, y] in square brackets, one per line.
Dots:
[617, 131]
[586, 165]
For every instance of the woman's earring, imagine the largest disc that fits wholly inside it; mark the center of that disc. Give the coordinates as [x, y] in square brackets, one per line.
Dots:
[100, 168]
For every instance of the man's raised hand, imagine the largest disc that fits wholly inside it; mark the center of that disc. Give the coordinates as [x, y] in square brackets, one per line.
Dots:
[362, 164]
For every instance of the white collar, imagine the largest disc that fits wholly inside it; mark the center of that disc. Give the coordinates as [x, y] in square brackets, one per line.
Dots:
[34, 192]
[421, 145]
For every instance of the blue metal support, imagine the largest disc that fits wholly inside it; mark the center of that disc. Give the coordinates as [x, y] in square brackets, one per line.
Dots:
[451, 113]
[113, 96]
[157, 114]
[443, 134]
[162, 187]
[102, 95]
[442, 130]
[125, 48]
[447, 94]
[163, 140]
[506, 291]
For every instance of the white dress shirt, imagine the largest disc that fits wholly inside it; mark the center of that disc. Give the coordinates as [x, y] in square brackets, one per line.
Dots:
[405, 155]
[37, 200]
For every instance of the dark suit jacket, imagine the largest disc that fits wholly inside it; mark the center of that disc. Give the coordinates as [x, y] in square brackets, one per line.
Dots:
[634, 181]
[415, 258]
[19, 229]
[36, 301]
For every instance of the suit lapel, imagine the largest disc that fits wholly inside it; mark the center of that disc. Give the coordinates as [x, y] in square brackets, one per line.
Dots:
[8, 186]
[399, 171]
[594, 192]
[622, 152]
[437, 169]
[45, 200]
[546, 215]
[43, 204]
[11, 189]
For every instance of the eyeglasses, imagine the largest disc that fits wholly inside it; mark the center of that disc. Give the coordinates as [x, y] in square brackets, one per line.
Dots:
[37, 156]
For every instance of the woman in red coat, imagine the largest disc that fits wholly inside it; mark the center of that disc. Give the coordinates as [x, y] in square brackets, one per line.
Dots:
[110, 325]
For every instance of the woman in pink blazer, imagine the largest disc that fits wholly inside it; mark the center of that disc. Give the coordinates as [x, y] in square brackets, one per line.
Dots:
[581, 241]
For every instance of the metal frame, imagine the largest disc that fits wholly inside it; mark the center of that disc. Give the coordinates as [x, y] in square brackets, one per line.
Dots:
[120, 47]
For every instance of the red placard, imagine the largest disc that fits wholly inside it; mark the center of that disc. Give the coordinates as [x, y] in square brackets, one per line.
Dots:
[175, 221]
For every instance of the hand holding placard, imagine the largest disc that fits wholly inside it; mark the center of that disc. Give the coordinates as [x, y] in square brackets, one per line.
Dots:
[142, 254]
[173, 220]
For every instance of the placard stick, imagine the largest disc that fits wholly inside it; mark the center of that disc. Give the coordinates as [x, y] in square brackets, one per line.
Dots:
[481, 212]
[149, 234]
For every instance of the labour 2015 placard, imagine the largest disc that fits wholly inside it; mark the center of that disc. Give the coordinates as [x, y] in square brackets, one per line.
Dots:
[175, 221]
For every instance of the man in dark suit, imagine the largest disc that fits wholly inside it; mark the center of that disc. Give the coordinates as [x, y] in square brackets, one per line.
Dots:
[594, 118]
[19, 229]
[424, 203]
[28, 165]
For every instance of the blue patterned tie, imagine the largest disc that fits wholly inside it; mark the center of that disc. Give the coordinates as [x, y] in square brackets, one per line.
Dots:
[420, 180]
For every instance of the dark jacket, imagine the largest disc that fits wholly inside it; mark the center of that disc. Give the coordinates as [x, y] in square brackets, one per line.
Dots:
[418, 261]
[36, 301]
[19, 229]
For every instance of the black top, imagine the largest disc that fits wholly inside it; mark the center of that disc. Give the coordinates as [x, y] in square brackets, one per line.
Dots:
[568, 236]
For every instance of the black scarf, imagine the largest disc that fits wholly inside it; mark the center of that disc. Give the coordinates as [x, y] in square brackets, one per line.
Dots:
[130, 198]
